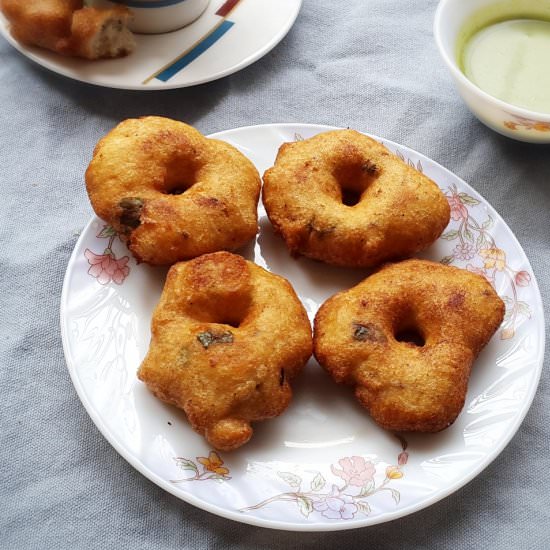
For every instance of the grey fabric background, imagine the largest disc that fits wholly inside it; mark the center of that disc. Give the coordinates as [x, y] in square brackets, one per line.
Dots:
[368, 64]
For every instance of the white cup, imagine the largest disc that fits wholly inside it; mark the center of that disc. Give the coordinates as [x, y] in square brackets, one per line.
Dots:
[512, 121]
[159, 16]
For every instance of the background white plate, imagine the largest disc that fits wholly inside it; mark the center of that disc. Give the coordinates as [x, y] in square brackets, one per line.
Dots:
[323, 465]
[258, 26]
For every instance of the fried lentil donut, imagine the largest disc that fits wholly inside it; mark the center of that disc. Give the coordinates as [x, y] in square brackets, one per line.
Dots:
[406, 338]
[172, 193]
[68, 28]
[227, 338]
[343, 198]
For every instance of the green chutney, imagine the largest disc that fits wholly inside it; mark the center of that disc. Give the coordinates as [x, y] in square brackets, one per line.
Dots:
[504, 49]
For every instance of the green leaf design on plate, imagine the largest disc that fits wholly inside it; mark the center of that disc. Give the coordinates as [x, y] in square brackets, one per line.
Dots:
[467, 199]
[488, 223]
[363, 507]
[395, 495]
[450, 235]
[318, 482]
[186, 464]
[524, 309]
[106, 232]
[305, 505]
[292, 479]
[481, 242]
[366, 489]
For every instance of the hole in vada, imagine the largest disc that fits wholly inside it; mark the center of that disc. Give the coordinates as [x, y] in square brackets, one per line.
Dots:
[177, 190]
[179, 177]
[232, 322]
[353, 176]
[410, 335]
[232, 312]
[350, 197]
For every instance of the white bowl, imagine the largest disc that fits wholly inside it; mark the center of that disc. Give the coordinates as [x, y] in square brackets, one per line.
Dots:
[159, 16]
[509, 120]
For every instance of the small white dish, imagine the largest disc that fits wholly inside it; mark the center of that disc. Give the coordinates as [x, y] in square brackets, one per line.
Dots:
[507, 119]
[323, 465]
[158, 16]
[227, 37]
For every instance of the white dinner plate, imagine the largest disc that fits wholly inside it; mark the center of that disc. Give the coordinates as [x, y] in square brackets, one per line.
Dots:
[215, 45]
[324, 464]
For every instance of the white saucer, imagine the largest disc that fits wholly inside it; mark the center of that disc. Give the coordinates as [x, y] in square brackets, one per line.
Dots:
[323, 465]
[212, 47]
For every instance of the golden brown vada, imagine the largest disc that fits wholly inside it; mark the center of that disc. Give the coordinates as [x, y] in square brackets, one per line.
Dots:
[68, 28]
[172, 193]
[101, 33]
[227, 339]
[406, 338]
[343, 198]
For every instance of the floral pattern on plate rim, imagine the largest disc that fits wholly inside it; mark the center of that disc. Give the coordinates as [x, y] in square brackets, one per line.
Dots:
[212, 468]
[521, 123]
[348, 496]
[107, 267]
[344, 500]
[477, 246]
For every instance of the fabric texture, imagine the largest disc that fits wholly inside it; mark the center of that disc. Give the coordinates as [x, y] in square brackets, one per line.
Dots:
[371, 65]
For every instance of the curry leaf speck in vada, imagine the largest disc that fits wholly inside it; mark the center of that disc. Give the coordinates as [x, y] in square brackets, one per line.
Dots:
[170, 192]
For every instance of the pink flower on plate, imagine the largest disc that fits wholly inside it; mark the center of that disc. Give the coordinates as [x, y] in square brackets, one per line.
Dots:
[106, 268]
[458, 210]
[403, 458]
[336, 505]
[523, 278]
[464, 251]
[355, 470]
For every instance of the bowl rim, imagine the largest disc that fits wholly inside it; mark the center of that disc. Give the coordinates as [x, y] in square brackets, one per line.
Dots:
[451, 63]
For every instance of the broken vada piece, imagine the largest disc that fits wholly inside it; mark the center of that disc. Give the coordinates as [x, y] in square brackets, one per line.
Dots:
[406, 338]
[227, 338]
[171, 193]
[343, 198]
[68, 28]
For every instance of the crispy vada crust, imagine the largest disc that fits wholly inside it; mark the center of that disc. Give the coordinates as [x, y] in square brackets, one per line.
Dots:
[227, 339]
[46, 24]
[101, 33]
[172, 193]
[408, 386]
[400, 210]
[68, 28]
